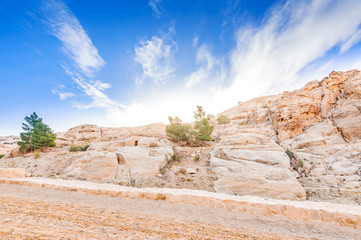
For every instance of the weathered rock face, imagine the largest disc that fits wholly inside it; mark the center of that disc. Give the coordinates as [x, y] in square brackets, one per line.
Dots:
[7, 144]
[304, 143]
[251, 163]
[320, 124]
[141, 162]
[94, 166]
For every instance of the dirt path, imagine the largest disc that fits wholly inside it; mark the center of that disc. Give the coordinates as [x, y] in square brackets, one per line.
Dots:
[37, 213]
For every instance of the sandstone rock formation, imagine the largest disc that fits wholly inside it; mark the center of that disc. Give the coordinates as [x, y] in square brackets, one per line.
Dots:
[300, 144]
[319, 124]
[8, 143]
[12, 172]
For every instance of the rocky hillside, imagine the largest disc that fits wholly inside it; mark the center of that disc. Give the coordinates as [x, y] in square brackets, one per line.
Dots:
[8, 143]
[319, 126]
[296, 145]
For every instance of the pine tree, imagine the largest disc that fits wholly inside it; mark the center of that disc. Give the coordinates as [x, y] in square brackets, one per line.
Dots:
[42, 136]
[202, 128]
[37, 134]
[25, 143]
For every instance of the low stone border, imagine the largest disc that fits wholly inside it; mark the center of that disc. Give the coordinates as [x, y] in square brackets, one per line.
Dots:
[336, 214]
[12, 172]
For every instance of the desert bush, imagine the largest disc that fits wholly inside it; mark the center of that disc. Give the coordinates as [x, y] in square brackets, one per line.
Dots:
[173, 158]
[2, 155]
[77, 148]
[202, 129]
[177, 130]
[196, 158]
[170, 159]
[301, 163]
[223, 119]
[36, 155]
[290, 153]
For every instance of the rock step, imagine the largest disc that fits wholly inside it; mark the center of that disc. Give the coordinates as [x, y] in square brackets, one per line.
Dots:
[334, 214]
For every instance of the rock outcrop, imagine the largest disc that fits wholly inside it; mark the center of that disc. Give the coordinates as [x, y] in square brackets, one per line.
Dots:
[300, 144]
[318, 125]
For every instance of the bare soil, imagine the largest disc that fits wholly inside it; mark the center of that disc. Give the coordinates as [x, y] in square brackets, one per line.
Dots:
[37, 213]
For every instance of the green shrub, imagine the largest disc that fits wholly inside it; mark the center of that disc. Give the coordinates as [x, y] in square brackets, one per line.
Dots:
[75, 148]
[202, 129]
[289, 153]
[173, 158]
[223, 119]
[177, 130]
[2, 155]
[196, 158]
[86, 147]
[301, 163]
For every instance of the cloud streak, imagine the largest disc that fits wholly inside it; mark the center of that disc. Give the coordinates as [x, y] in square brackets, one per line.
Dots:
[76, 43]
[211, 69]
[154, 5]
[292, 37]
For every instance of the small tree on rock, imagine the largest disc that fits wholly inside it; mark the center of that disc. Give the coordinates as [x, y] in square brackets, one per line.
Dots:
[42, 136]
[177, 130]
[37, 134]
[202, 128]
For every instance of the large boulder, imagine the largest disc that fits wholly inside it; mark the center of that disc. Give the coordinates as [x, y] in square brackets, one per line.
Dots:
[143, 161]
[250, 162]
[94, 166]
[83, 133]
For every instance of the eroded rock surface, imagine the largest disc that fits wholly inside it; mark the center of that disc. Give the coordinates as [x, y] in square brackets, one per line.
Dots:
[318, 125]
[303, 143]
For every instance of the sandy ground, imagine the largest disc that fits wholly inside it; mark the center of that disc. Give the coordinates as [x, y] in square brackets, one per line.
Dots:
[37, 213]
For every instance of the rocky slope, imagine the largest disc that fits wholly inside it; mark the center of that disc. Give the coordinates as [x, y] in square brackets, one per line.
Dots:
[319, 126]
[8, 143]
[296, 145]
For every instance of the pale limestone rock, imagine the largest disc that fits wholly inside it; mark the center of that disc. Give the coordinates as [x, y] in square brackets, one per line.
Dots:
[143, 161]
[347, 118]
[251, 178]
[191, 171]
[83, 133]
[94, 166]
[12, 172]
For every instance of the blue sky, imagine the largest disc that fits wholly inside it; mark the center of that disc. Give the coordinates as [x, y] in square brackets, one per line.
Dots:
[128, 63]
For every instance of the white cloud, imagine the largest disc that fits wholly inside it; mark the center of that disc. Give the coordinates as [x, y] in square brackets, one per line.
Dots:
[351, 41]
[78, 46]
[99, 99]
[154, 5]
[293, 36]
[76, 43]
[63, 95]
[156, 58]
[210, 71]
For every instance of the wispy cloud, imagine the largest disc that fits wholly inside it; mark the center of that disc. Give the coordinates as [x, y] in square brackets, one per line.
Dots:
[293, 36]
[76, 43]
[78, 47]
[156, 58]
[99, 99]
[154, 4]
[210, 68]
[63, 95]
